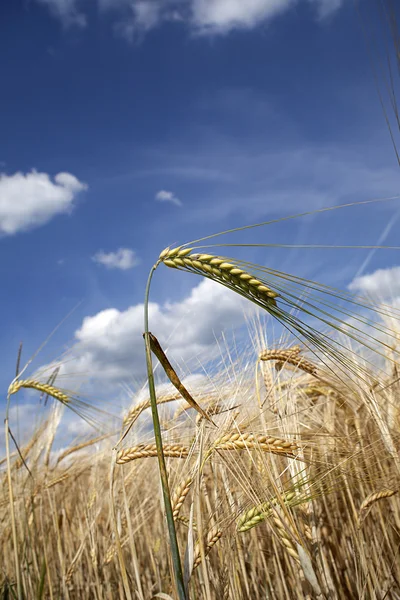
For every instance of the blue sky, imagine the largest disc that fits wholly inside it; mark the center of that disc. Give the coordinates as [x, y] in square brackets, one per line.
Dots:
[130, 126]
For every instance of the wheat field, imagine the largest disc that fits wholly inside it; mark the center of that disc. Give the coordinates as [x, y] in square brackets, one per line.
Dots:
[288, 491]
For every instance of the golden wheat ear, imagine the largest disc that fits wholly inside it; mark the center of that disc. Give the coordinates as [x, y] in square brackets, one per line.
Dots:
[299, 305]
[97, 418]
[221, 271]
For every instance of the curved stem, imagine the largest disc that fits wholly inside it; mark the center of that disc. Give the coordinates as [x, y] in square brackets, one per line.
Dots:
[161, 459]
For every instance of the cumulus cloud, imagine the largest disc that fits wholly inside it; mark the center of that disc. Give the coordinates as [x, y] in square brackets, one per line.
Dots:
[109, 344]
[165, 196]
[123, 258]
[32, 199]
[136, 17]
[382, 283]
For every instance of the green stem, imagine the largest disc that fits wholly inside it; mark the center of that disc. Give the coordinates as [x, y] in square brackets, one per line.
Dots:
[161, 459]
[11, 498]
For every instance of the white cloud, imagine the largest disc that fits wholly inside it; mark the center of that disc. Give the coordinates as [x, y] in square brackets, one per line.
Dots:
[136, 17]
[123, 258]
[383, 283]
[219, 16]
[32, 199]
[66, 11]
[165, 196]
[109, 345]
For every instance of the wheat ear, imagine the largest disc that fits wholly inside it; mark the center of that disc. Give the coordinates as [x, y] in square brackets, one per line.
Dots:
[211, 539]
[241, 441]
[137, 410]
[81, 446]
[46, 388]
[370, 500]
[149, 450]
[218, 269]
[180, 495]
[284, 537]
[259, 513]
[283, 357]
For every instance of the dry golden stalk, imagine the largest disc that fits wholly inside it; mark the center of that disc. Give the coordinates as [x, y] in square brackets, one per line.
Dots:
[241, 441]
[50, 390]
[26, 450]
[211, 539]
[180, 495]
[370, 500]
[283, 357]
[216, 268]
[149, 450]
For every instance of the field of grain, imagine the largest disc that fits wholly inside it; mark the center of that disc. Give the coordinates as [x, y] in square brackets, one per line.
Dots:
[283, 486]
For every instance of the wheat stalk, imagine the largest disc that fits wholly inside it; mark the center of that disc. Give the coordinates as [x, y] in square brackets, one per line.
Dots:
[218, 269]
[149, 450]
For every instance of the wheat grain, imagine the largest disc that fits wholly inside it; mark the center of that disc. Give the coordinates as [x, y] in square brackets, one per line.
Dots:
[81, 446]
[218, 269]
[241, 441]
[370, 500]
[259, 513]
[376, 496]
[283, 357]
[150, 450]
[279, 354]
[180, 495]
[285, 535]
[211, 539]
[137, 410]
[46, 388]
[57, 480]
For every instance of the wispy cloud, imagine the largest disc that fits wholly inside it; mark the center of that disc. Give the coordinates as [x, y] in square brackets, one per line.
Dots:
[66, 11]
[135, 18]
[382, 238]
[165, 196]
[33, 199]
[123, 259]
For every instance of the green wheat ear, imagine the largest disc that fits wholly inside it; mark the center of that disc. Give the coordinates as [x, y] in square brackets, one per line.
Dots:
[218, 269]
